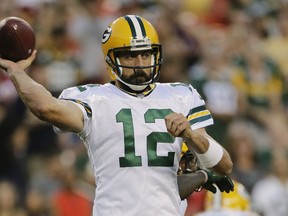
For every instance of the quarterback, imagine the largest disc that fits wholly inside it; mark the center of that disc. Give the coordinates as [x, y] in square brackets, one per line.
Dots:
[138, 121]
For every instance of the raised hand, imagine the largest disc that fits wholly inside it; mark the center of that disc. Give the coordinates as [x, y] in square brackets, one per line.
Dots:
[21, 65]
[176, 124]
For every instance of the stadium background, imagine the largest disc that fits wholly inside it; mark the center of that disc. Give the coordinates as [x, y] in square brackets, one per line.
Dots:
[234, 52]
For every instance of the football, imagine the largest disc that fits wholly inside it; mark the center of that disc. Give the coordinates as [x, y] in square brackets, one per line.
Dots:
[17, 39]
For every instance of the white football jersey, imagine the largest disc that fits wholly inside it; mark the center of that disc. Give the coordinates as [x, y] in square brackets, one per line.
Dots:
[135, 160]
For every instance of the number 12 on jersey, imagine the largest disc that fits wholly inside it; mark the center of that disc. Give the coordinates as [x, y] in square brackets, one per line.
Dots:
[130, 159]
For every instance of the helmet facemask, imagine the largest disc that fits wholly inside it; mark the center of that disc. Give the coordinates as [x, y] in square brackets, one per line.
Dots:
[137, 84]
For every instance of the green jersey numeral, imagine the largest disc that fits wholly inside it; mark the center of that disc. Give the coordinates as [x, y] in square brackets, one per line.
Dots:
[130, 159]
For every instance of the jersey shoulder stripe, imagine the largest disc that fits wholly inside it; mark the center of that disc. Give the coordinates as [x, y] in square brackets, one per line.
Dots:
[198, 114]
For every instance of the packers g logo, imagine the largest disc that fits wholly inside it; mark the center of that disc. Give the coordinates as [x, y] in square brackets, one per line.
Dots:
[106, 35]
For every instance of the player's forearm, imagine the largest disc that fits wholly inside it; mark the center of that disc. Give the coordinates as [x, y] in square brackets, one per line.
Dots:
[196, 141]
[34, 95]
[212, 154]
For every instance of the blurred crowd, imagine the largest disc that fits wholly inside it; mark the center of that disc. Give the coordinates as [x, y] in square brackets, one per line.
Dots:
[234, 52]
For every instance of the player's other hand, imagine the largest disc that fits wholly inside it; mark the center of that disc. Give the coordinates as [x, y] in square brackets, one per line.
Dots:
[176, 124]
[223, 183]
[21, 65]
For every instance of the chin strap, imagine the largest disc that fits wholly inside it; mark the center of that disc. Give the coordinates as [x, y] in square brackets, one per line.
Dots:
[140, 94]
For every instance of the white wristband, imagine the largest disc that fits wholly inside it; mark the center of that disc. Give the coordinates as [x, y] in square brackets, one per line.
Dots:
[212, 156]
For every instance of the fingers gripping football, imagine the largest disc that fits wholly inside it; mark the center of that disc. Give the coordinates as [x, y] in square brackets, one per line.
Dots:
[8, 65]
[176, 124]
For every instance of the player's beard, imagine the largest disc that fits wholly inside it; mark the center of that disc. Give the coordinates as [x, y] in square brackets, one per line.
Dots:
[137, 78]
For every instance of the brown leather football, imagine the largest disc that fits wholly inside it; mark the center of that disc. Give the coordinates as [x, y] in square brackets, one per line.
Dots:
[17, 39]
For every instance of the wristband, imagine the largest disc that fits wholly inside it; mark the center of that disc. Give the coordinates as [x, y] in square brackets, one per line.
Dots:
[212, 156]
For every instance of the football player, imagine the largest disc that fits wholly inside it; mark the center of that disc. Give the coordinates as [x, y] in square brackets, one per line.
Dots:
[137, 120]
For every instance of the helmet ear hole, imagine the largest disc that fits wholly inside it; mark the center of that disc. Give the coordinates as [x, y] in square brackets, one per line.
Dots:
[111, 68]
[110, 63]
[107, 59]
